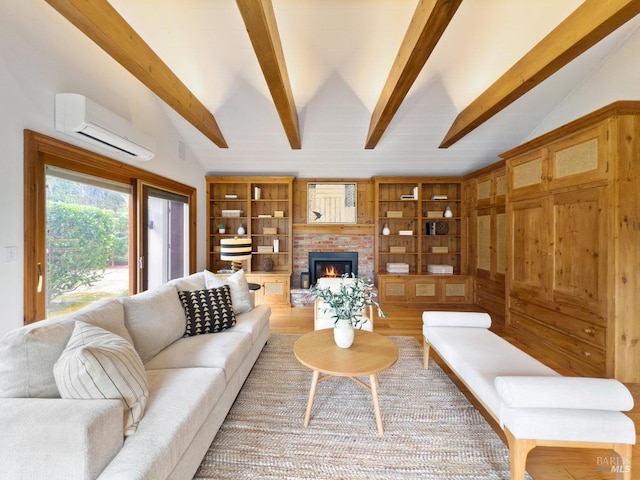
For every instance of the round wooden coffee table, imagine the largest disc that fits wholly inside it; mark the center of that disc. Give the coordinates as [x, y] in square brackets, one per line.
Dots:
[369, 355]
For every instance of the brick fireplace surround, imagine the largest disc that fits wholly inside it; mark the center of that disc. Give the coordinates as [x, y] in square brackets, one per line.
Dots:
[303, 243]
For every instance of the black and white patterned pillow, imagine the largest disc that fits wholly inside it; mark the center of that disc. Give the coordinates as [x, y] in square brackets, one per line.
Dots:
[207, 311]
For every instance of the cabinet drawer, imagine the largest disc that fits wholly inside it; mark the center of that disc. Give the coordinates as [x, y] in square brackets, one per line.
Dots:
[490, 296]
[550, 353]
[568, 344]
[586, 331]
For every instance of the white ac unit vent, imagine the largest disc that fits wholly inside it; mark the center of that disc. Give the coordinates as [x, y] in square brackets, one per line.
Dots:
[82, 118]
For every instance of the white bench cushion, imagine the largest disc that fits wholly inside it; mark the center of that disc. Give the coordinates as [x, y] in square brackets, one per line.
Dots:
[455, 319]
[564, 392]
[478, 356]
[569, 425]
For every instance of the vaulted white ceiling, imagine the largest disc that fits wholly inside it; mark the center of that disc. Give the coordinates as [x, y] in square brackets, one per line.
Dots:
[338, 55]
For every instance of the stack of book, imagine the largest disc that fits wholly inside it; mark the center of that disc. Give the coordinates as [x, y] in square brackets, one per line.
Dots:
[397, 268]
[446, 269]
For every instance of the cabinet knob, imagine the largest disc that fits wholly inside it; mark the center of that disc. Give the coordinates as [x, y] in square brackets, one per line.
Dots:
[589, 330]
[587, 354]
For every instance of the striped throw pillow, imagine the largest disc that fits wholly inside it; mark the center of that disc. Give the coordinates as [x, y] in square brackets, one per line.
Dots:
[99, 364]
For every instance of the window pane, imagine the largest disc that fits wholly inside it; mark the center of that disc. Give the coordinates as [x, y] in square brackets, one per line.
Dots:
[87, 241]
[167, 238]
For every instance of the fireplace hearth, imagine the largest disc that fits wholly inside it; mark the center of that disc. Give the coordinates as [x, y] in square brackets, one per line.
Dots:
[332, 264]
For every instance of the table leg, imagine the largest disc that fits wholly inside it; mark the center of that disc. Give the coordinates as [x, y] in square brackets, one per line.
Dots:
[312, 394]
[376, 405]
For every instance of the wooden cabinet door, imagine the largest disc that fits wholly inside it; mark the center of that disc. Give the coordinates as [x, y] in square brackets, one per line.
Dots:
[427, 289]
[579, 158]
[393, 289]
[580, 252]
[528, 174]
[490, 253]
[530, 248]
[275, 289]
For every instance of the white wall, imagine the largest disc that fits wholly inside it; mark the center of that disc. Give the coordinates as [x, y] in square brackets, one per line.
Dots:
[31, 73]
[617, 78]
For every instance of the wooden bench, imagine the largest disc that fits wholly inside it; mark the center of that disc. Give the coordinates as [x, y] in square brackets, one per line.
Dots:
[533, 404]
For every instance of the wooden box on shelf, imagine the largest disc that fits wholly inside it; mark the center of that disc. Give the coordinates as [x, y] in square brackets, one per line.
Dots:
[435, 213]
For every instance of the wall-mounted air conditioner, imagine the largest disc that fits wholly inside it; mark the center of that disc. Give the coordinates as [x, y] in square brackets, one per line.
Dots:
[82, 118]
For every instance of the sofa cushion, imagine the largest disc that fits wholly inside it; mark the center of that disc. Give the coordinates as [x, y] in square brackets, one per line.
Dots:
[240, 293]
[207, 311]
[27, 354]
[254, 321]
[180, 401]
[195, 281]
[97, 364]
[155, 319]
[225, 350]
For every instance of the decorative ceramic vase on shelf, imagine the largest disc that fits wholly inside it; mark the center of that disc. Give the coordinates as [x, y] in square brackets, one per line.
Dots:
[241, 230]
[343, 333]
[385, 230]
[447, 212]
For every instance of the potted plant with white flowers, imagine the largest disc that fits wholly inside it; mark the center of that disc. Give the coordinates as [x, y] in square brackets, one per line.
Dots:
[346, 302]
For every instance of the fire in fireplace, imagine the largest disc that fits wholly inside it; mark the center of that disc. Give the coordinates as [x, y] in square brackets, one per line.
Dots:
[332, 264]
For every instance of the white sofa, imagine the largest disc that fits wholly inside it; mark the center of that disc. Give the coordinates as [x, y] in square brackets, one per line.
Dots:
[533, 404]
[192, 383]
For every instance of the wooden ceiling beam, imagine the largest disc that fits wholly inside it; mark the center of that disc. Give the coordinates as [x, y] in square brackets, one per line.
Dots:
[260, 21]
[99, 21]
[587, 25]
[428, 23]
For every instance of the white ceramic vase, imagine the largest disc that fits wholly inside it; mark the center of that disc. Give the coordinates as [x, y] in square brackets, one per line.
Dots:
[343, 333]
[447, 212]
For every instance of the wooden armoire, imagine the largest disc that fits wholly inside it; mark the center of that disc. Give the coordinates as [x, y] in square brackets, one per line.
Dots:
[573, 243]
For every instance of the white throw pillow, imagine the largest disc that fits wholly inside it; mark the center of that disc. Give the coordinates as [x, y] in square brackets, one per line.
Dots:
[97, 364]
[240, 293]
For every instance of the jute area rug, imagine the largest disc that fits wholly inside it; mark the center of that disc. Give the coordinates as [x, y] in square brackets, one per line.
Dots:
[431, 429]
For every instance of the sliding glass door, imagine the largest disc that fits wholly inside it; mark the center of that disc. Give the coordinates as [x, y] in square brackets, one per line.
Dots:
[165, 232]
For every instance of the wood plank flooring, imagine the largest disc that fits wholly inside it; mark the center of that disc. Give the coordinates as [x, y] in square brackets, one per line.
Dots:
[543, 463]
